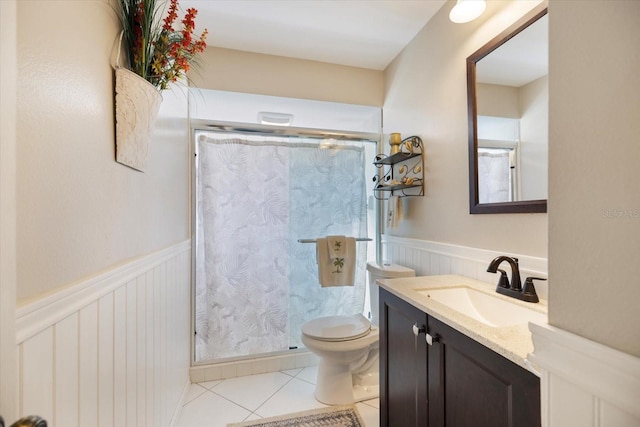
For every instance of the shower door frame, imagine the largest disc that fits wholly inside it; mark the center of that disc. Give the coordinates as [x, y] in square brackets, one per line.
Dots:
[262, 130]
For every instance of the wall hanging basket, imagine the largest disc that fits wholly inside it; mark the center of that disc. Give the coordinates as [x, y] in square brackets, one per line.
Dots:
[137, 106]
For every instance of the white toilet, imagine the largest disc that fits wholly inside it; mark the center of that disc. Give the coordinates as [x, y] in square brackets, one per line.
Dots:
[348, 347]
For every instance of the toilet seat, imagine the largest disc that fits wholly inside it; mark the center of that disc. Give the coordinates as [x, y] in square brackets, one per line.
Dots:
[337, 328]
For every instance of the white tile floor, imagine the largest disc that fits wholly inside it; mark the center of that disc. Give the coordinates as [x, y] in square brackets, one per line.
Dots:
[216, 403]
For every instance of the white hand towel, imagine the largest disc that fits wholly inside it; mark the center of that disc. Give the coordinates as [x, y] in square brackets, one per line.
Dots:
[339, 271]
[394, 211]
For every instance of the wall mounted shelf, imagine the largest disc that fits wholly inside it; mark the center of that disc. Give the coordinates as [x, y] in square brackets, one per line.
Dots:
[403, 172]
[397, 187]
[396, 158]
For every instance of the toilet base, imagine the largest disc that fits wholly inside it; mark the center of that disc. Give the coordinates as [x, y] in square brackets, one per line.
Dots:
[337, 385]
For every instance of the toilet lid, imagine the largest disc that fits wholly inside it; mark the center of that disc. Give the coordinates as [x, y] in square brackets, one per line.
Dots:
[337, 328]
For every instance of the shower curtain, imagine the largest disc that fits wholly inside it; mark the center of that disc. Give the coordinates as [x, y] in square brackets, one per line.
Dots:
[494, 175]
[255, 197]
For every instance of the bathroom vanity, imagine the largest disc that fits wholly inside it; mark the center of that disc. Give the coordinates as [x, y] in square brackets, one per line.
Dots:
[445, 362]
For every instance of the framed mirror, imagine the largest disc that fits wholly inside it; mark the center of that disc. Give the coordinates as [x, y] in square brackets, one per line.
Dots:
[508, 109]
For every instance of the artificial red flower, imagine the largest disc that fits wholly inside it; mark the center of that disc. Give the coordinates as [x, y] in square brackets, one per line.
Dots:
[158, 52]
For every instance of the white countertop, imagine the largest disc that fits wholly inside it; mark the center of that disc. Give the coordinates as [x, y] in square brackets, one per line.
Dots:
[513, 342]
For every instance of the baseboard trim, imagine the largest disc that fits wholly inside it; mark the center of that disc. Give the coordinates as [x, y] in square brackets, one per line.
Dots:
[261, 365]
[42, 313]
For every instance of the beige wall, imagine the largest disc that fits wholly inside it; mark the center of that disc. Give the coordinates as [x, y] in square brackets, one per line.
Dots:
[594, 171]
[78, 211]
[237, 71]
[498, 100]
[534, 139]
[426, 94]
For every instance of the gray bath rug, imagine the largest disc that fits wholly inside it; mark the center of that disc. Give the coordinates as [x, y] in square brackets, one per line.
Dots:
[334, 416]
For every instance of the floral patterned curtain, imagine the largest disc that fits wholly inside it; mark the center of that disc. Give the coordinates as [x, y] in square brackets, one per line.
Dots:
[495, 177]
[255, 197]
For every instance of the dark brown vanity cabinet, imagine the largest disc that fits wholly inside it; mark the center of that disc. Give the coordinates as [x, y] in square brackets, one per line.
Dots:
[454, 382]
[403, 368]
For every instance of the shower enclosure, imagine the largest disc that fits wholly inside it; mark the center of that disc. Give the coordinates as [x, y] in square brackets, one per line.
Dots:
[256, 196]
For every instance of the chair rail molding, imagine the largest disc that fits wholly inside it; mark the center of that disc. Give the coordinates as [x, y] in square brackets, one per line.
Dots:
[42, 313]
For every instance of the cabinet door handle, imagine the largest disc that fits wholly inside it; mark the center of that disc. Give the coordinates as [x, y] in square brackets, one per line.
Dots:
[417, 330]
[432, 338]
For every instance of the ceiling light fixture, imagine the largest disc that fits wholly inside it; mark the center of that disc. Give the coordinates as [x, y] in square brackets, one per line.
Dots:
[467, 10]
[275, 119]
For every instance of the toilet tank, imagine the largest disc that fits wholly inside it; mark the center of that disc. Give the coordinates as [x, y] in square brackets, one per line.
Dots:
[384, 271]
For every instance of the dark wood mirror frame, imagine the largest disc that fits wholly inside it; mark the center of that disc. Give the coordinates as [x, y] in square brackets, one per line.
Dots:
[527, 206]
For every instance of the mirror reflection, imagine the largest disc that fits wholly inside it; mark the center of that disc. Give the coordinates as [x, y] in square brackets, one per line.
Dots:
[509, 114]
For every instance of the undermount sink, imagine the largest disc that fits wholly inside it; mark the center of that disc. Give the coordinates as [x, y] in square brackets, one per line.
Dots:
[485, 308]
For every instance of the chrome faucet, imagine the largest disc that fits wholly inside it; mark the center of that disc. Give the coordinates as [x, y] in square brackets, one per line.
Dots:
[514, 288]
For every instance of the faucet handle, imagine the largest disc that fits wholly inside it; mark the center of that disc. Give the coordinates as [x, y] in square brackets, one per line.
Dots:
[529, 290]
[503, 281]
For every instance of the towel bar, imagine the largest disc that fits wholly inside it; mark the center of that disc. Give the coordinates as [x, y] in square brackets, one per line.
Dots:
[358, 239]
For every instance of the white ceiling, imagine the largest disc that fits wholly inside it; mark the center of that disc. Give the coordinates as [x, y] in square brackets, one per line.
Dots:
[359, 33]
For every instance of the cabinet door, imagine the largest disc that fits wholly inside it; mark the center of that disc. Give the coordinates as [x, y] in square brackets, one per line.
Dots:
[403, 364]
[471, 385]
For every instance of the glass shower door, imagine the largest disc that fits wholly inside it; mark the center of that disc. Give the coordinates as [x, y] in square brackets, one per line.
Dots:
[255, 197]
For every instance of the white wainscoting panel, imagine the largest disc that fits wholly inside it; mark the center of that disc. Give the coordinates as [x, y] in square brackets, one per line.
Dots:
[584, 383]
[88, 365]
[106, 371]
[112, 350]
[432, 258]
[36, 381]
[120, 356]
[66, 387]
